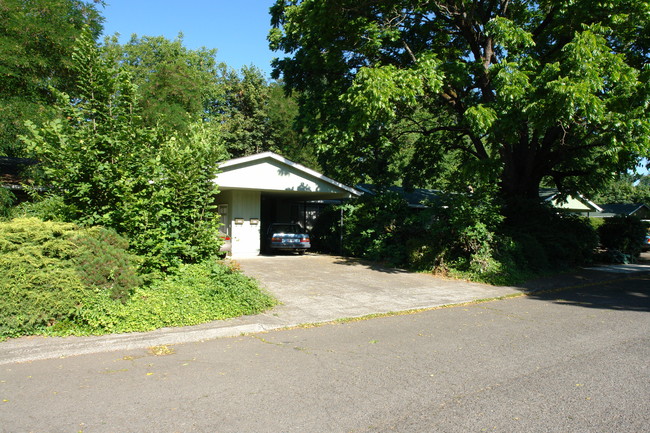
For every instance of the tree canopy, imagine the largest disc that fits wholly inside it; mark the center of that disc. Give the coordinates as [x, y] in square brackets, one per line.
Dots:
[106, 166]
[176, 85]
[36, 42]
[510, 91]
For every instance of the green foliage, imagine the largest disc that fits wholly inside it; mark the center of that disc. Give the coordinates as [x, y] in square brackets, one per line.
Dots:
[194, 294]
[623, 234]
[175, 85]
[36, 42]
[258, 116]
[625, 188]
[377, 228]
[60, 279]
[48, 208]
[462, 235]
[51, 269]
[102, 262]
[6, 202]
[533, 89]
[544, 239]
[110, 169]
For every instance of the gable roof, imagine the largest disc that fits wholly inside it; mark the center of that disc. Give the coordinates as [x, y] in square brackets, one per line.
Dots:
[575, 203]
[271, 172]
[613, 209]
[416, 198]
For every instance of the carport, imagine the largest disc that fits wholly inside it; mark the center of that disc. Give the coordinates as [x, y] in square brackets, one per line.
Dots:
[260, 189]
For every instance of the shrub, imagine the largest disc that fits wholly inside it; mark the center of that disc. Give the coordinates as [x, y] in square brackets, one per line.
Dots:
[46, 277]
[60, 279]
[103, 262]
[196, 293]
[622, 233]
[374, 228]
[49, 208]
[549, 239]
[7, 199]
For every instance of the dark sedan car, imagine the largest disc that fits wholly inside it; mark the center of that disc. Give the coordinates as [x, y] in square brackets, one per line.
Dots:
[287, 237]
[646, 244]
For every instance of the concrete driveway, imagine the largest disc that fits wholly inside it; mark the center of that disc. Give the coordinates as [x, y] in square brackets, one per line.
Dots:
[317, 288]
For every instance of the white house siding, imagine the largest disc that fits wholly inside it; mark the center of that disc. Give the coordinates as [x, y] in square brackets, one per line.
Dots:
[272, 175]
[244, 206]
[272, 185]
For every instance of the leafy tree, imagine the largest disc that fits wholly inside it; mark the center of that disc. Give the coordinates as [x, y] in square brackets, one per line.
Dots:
[36, 40]
[623, 234]
[626, 188]
[111, 170]
[282, 112]
[244, 111]
[258, 116]
[173, 81]
[518, 90]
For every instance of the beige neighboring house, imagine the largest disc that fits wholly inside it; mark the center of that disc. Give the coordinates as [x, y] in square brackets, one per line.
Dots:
[574, 203]
[265, 188]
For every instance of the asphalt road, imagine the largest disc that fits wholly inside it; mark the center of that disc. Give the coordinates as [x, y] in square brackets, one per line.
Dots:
[572, 361]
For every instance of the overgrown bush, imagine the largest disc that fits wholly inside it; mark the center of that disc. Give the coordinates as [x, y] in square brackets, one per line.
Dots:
[623, 234]
[60, 279]
[6, 202]
[376, 228]
[470, 236]
[548, 239]
[463, 234]
[195, 293]
[47, 208]
[46, 274]
[101, 165]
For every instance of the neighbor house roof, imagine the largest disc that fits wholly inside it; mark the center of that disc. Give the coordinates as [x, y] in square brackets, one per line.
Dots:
[628, 209]
[419, 197]
[416, 197]
[572, 202]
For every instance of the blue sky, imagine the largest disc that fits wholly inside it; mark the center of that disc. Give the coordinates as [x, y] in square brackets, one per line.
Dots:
[236, 28]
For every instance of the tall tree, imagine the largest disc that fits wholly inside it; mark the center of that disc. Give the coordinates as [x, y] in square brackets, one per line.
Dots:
[244, 110]
[258, 116]
[36, 42]
[626, 188]
[520, 90]
[176, 85]
[111, 169]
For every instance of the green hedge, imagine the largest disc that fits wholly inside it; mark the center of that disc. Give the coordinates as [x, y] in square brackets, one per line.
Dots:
[50, 270]
[61, 279]
[196, 293]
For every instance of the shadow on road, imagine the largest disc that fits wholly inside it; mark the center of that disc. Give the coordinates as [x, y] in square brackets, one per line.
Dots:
[614, 292]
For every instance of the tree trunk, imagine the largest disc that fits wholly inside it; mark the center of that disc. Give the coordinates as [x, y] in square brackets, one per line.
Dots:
[521, 174]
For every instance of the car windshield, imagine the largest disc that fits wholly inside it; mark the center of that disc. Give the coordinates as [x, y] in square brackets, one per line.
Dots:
[285, 228]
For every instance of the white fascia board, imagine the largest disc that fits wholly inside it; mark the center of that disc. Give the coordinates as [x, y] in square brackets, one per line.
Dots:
[264, 155]
[591, 203]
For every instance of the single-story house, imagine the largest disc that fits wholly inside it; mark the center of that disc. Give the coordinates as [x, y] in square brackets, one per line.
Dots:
[573, 203]
[261, 189]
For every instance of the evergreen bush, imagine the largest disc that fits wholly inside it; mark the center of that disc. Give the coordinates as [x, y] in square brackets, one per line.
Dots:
[47, 276]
